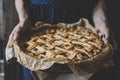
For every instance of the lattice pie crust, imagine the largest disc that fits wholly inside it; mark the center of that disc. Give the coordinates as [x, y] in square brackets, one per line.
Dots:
[59, 44]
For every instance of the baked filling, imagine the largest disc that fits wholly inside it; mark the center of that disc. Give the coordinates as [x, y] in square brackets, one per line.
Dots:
[64, 44]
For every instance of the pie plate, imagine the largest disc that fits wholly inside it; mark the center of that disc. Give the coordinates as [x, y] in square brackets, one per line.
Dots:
[63, 47]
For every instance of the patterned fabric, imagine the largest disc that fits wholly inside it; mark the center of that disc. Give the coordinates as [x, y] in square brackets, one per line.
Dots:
[47, 10]
[19, 72]
[27, 74]
[23, 73]
[54, 11]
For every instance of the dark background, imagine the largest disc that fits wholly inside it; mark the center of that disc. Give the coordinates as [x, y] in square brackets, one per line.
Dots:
[112, 13]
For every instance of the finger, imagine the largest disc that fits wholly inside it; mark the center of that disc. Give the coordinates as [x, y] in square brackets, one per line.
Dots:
[11, 40]
[11, 36]
[16, 34]
[103, 37]
[106, 40]
[106, 37]
[12, 33]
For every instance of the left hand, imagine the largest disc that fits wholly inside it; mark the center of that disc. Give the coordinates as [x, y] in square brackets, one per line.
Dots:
[104, 33]
[107, 36]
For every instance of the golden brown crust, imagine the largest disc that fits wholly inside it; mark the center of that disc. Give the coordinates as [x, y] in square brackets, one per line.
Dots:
[53, 45]
[63, 43]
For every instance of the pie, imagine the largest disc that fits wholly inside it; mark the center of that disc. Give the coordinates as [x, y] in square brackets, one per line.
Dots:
[63, 47]
[61, 44]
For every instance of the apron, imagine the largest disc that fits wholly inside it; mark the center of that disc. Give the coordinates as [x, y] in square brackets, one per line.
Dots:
[55, 11]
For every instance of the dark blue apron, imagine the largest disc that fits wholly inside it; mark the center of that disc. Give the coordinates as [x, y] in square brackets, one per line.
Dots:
[55, 11]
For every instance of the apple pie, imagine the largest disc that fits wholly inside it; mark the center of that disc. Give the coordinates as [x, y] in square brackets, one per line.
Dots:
[65, 44]
[61, 44]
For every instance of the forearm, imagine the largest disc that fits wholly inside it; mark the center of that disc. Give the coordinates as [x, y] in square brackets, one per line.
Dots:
[22, 9]
[100, 21]
[99, 17]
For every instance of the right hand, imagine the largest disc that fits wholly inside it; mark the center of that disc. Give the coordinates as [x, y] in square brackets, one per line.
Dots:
[19, 28]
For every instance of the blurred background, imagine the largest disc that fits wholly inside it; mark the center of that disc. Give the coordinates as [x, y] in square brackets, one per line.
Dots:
[9, 18]
[1, 45]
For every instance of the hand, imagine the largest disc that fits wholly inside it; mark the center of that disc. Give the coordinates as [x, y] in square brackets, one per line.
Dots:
[108, 37]
[104, 33]
[19, 28]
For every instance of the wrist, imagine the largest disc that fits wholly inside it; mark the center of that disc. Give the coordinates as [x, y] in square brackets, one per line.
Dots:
[23, 18]
[22, 23]
[25, 23]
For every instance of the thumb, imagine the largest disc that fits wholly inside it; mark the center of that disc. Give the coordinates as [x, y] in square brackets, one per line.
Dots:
[105, 40]
[11, 42]
[104, 37]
